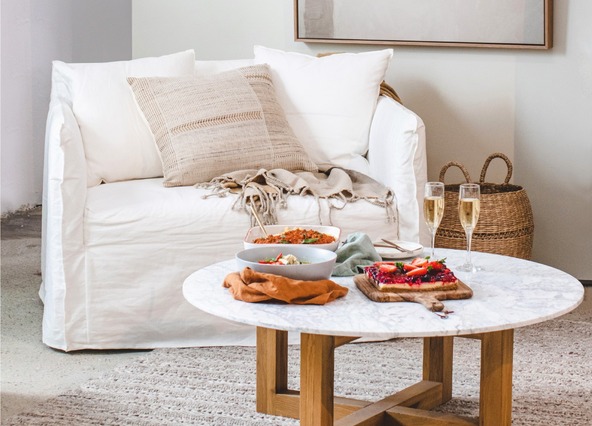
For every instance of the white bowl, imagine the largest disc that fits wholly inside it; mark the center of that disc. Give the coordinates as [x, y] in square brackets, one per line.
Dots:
[320, 266]
[256, 232]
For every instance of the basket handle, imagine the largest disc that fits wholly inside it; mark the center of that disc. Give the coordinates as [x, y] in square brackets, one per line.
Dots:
[486, 165]
[454, 163]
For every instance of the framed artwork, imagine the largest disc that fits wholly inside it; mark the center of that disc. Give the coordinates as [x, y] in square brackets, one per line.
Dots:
[517, 24]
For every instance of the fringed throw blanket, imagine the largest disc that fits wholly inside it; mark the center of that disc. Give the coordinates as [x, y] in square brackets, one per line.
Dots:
[268, 190]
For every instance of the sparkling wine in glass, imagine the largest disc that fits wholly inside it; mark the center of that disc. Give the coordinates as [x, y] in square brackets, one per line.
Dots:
[433, 208]
[468, 212]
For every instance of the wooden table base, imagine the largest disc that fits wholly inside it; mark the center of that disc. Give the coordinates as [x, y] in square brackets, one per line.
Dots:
[315, 404]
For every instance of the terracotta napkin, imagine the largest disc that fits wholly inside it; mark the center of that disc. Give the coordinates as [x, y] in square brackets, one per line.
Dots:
[252, 286]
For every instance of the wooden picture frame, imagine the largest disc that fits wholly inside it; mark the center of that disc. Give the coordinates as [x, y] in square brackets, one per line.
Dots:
[510, 24]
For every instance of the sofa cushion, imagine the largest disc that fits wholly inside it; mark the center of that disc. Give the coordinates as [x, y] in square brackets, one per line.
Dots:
[211, 125]
[210, 67]
[329, 101]
[143, 213]
[118, 144]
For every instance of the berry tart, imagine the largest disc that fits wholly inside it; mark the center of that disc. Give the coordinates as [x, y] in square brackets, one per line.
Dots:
[420, 274]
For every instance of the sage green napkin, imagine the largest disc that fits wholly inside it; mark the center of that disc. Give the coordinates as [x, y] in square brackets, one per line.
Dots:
[357, 252]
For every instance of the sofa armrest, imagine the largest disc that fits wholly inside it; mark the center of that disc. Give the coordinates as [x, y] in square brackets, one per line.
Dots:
[64, 198]
[397, 157]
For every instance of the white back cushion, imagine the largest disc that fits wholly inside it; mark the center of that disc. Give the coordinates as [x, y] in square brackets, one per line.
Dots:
[329, 101]
[118, 143]
[205, 68]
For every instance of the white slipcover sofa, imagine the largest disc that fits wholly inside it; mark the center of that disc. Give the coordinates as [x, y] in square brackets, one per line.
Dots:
[116, 251]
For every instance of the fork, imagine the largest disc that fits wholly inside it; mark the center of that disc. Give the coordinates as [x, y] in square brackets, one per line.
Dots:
[398, 247]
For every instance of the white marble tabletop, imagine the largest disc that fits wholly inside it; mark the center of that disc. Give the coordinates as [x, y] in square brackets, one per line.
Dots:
[508, 293]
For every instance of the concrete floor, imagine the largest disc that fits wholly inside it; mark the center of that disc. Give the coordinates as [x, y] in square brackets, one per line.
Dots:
[32, 372]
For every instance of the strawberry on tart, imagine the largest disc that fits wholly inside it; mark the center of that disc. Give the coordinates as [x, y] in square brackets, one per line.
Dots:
[421, 274]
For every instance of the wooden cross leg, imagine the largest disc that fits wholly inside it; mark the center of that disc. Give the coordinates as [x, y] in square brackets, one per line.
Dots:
[316, 405]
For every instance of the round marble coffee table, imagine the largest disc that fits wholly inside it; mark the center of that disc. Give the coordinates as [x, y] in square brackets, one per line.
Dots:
[508, 293]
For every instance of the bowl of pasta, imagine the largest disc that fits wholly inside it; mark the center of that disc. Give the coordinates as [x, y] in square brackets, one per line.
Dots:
[318, 236]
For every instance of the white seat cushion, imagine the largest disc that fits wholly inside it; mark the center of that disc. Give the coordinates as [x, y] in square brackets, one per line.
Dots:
[143, 212]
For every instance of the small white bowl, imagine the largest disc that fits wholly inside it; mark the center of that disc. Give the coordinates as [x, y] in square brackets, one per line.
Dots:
[256, 232]
[320, 266]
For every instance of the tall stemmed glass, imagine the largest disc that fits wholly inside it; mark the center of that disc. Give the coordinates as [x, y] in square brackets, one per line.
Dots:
[433, 208]
[468, 212]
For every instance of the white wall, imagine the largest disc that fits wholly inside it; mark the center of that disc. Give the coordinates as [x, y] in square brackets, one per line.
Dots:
[35, 32]
[18, 177]
[534, 106]
[553, 140]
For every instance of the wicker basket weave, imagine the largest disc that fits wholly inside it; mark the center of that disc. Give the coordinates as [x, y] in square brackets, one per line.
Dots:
[505, 223]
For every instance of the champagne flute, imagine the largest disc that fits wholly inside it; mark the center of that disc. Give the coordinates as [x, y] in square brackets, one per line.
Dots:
[468, 212]
[433, 208]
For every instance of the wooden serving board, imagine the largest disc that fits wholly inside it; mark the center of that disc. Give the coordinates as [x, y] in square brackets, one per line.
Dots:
[431, 299]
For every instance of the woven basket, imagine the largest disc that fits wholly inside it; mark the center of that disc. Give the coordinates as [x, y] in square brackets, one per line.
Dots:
[505, 223]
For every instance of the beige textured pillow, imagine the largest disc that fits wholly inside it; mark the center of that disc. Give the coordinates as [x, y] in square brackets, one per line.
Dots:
[208, 126]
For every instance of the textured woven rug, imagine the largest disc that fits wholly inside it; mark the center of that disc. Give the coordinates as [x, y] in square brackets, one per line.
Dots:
[216, 386]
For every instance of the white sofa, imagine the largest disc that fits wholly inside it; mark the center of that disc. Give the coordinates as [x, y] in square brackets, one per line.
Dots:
[115, 255]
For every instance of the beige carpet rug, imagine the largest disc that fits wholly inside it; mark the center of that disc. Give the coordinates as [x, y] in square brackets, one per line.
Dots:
[216, 386]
